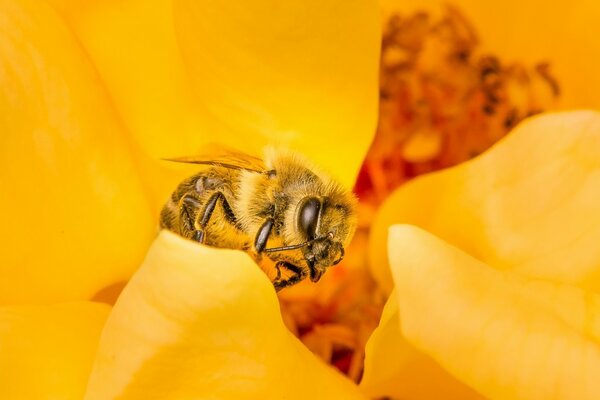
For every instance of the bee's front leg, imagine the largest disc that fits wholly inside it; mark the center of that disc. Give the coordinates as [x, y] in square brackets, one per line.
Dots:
[262, 236]
[298, 274]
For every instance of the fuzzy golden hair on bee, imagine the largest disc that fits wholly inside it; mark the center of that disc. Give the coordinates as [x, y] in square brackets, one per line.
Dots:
[281, 207]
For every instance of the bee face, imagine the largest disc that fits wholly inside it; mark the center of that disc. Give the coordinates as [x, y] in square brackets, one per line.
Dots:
[323, 254]
[324, 224]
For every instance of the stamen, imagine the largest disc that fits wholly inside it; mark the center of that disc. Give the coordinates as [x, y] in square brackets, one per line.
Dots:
[442, 101]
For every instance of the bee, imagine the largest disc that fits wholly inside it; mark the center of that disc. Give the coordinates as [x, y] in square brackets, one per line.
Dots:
[281, 207]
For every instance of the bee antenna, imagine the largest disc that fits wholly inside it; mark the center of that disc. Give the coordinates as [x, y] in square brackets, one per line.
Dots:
[284, 248]
[295, 246]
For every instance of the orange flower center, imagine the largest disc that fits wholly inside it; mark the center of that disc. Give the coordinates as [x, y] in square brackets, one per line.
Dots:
[442, 102]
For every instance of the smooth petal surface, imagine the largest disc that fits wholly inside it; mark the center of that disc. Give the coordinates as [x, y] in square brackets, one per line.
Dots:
[508, 336]
[132, 44]
[46, 352]
[184, 73]
[530, 204]
[74, 214]
[395, 368]
[306, 76]
[199, 322]
[563, 33]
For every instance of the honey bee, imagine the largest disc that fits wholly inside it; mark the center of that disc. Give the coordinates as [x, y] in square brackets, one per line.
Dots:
[282, 208]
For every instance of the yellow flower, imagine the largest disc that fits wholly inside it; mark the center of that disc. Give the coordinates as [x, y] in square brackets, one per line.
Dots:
[499, 303]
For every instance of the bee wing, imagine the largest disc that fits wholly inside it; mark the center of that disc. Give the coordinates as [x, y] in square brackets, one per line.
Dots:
[222, 156]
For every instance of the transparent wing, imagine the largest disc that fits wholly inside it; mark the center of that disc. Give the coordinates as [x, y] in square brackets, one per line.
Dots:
[222, 156]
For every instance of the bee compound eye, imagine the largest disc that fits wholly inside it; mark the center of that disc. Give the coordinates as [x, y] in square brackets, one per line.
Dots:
[308, 217]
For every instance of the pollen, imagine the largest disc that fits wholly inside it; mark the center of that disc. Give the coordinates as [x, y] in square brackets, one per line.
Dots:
[443, 101]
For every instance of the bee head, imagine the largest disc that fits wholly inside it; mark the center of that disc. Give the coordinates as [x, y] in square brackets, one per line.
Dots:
[326, 225]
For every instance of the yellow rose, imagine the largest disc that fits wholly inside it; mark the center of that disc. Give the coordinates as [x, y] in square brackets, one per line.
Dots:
[499, 303]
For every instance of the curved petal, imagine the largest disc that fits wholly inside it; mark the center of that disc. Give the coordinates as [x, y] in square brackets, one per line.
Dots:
[505, 335]
[199, 322]
[301, 74]
[48, 351]
[528, 204]
[561, 32]
[394, 368]
[72, 196]
[132, 44]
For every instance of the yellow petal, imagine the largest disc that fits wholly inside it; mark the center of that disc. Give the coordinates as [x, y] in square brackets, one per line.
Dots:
[303, 73]
[507, 336]
[561, 32]
[74, 215]
[394, 368]
[46, 352]
[199, 322]
[529, 204]
[132, 45]
[183, 74]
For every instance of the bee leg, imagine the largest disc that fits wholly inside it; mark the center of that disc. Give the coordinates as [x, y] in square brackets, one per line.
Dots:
[298, 274]
[278, 276]
[198, 236]
[260, 241]
[204, 216]
[187, 228]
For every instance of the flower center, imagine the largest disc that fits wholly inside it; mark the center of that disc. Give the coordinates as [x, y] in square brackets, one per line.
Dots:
[442, 102]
